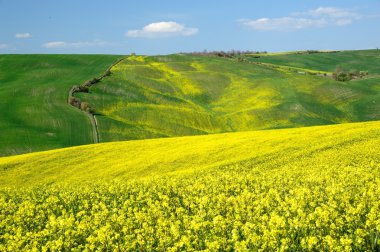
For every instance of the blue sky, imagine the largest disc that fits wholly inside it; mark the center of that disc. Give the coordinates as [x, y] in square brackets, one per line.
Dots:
[169, 26]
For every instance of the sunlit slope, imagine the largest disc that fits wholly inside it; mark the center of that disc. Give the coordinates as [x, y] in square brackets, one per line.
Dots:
[33, 101]
[335, 146]
[304, 189]
[176, 95]
[364, 109]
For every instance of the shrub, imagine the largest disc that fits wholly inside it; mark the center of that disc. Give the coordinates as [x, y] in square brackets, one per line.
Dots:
[107, 73]
[341, 76]
[74, 102]
[94, 80]
[87, 83]
[84, 106]
[363, 73]
[83, 89]
[87, 108]
[75, 89]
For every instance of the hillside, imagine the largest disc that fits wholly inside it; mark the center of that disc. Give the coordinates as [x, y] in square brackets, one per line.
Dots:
[362, 60]
[313, 188]
[33, 101]
[367, 108]
[177, 95]
[170, 156]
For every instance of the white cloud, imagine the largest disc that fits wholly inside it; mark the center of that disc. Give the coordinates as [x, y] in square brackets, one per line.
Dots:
[3, 46]
[285, 23]
[331, 12]
[55, 44]
[80, 44]
[334, 15]
[23, 35]
[317, 18]
[162, 29]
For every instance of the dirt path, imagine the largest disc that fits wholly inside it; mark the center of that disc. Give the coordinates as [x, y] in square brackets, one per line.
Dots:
[95, 130]
[75, 102]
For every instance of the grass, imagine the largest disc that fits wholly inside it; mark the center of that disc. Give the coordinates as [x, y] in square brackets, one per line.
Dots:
[312, 188]
[177, 95]
[34, 112]
[363, 60]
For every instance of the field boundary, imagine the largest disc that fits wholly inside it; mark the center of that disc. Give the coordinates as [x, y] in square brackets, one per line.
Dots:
[291, 69]
[85, 107]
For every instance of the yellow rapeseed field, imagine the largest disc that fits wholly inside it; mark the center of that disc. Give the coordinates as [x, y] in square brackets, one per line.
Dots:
[315, 188]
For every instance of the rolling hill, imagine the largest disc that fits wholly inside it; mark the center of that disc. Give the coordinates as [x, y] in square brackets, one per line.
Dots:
[302, 188]
[363, 60]
[136, 159]
[177, 95]
[311, 188]
[33, 101]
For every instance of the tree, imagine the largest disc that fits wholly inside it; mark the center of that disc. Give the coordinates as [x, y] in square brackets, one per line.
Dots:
[74, 102]
[341, 75]
[87, 108]
[107, 73]
[83, 89]
[354, 73]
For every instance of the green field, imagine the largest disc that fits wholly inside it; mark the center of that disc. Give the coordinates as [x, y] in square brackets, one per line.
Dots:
[367, 108]
[364, 60]
[313, 188]
[33, 101]
[177, 95]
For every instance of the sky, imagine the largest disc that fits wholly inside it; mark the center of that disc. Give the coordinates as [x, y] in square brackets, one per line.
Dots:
[169, 26]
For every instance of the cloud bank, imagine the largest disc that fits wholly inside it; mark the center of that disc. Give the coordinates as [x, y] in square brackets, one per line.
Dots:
[316, 18]
[162, 29]
[3, 46]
